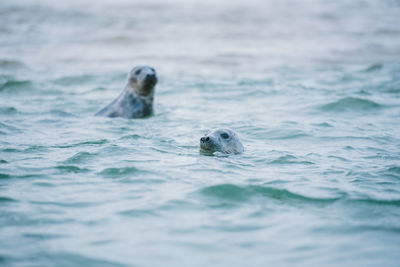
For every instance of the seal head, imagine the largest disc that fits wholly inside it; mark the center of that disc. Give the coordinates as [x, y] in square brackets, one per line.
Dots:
[142, 80]
[221, 140]
[136, 100]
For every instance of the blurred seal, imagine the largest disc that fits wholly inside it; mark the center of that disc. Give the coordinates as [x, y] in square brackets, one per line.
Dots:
[221, 140]
[136, 100]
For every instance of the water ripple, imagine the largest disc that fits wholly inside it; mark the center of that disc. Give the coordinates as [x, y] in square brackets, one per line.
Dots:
[374, 67]
[75, 80]
[80, 157]
[13, 85]
[289, 159]
[4, 176]
[7, 199]
[120, 172]
[351, 104]
[138, 213]
[8, 110]
[85, 143]
[237, 193]
[71, 169]
[63, 259]
[316, 107]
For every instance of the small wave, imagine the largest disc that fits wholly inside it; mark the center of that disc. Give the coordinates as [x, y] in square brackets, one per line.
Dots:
[289, 159]
[119, 172]
[99, 89]
[61, 113]
[8, 127]
[8, 110]
[243, 193]
[393, 90]
[66, 204]
[85, 143]
[41, 236]
[163, 151]
[35, 148]
[2, 161]
[94, 142]
[339, 158]
[284, 134]
[14, 84]
[10, 64]
[374, 67]
[137, 213]
[380, 202]
[130, 136]
[47, 258]
[4, 176]
[351, 103]
[323, 124]
[143, 181]
[7, 199]
[71, 169]
[80, 157]
[23, 176]
[364, 93]
[75, 80]
[251, 82]
[11, 150]
[44, 184]
[235, 193]
[393, 171]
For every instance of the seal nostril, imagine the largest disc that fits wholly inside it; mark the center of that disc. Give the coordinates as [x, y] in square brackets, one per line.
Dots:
[202, 139]
[151, 77]
[207, 138]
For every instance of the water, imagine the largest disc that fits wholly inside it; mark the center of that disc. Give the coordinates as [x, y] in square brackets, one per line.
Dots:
[311, 87]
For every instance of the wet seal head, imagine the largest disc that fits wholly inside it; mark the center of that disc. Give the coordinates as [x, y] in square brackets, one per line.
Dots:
[136, 100]
[221, 140]
[142, 80]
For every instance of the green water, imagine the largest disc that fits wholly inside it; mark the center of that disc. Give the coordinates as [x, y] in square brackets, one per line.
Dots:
[312, 88]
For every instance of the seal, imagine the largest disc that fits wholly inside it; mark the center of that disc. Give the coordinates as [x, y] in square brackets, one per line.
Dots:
[221, 140]
[136, 100]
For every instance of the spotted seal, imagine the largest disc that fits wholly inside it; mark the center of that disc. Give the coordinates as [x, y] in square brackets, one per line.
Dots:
[221, 140]
[136, 100]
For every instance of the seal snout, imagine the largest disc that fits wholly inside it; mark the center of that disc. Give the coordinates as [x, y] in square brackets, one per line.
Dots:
[204, 139]
[151, 78]
[208, 143]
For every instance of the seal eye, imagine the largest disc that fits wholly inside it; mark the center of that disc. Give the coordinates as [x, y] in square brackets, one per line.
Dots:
[137, 72]
[225, 135]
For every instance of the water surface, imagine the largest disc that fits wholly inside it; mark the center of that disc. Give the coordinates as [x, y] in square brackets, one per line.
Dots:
[312, 88]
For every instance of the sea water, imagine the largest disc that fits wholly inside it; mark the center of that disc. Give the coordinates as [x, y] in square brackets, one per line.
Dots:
[311, 87]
